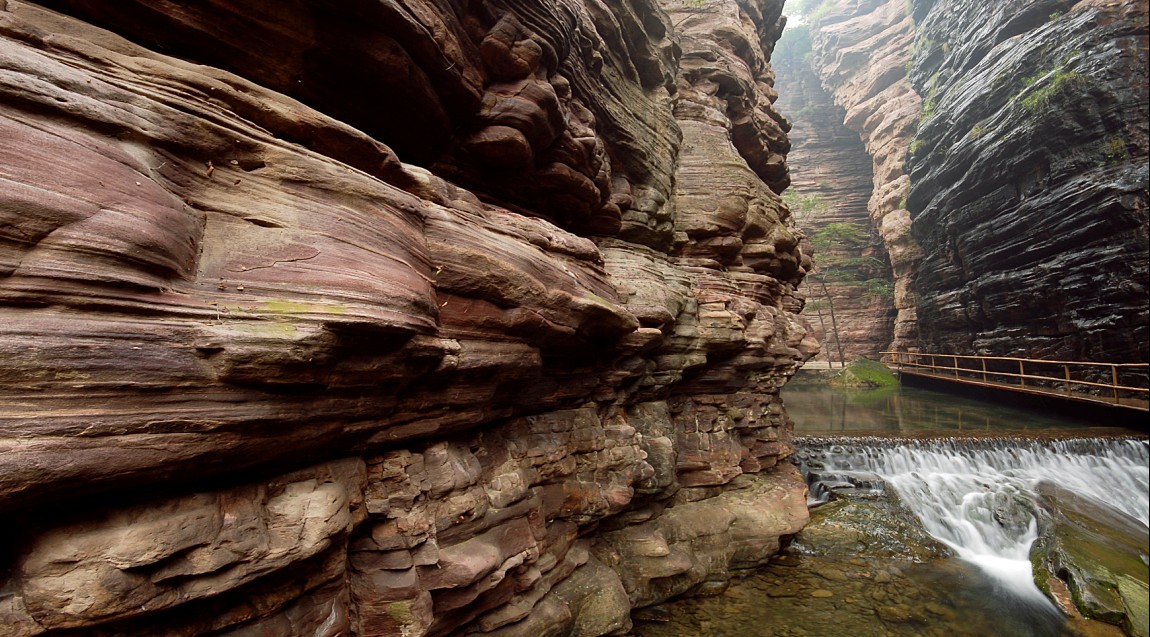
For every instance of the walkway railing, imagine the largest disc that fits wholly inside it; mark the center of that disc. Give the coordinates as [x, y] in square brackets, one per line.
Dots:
[1120, 384]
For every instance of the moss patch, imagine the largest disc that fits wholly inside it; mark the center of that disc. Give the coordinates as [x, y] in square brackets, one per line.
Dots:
[1098, 552]
[294, 307]
[1053, 84]
[865, 373]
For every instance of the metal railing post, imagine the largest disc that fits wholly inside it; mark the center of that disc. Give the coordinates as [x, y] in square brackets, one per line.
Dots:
[1021, 374]
[1114, 379]
[1066, 368]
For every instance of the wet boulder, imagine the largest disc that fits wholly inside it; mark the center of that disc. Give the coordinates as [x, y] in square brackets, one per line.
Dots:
[1096, 553]
[851, 526]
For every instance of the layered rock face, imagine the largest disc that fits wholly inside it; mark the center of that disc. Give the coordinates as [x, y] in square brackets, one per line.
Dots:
[1029, 179]
[860, 51]
[389, 319]
[830, 192]
[1025, 127]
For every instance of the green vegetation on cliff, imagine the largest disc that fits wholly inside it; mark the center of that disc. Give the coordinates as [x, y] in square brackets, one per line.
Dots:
[1052, 84]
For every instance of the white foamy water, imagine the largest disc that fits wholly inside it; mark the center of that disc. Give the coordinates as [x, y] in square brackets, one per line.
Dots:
[977, 496]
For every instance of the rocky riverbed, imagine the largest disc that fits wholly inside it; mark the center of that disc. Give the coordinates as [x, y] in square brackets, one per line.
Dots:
[866, 569]
[866, 564]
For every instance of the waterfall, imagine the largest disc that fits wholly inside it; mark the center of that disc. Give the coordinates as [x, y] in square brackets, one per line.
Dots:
[977, 495]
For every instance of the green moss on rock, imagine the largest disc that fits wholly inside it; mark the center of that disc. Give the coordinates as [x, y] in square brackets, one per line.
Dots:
[865, 373]
[1099, 553]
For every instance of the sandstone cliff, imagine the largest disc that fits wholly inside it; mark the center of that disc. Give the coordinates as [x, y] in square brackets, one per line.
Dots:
[829, 197]
[409, 318]
[860, 51]
[1015, 136]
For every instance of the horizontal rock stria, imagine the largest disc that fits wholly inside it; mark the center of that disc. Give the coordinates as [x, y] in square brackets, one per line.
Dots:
[401, 318]
[1009, 143]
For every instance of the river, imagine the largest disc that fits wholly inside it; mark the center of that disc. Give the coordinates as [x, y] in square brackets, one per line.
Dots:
[818, 409]
[923, 516]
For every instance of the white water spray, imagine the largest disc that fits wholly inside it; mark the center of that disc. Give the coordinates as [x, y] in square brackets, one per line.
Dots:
[977, 496]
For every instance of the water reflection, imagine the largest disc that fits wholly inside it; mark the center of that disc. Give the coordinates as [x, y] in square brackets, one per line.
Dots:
[818, 408]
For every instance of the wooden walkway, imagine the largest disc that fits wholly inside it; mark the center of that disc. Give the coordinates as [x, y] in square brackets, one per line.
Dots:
[1113, 384]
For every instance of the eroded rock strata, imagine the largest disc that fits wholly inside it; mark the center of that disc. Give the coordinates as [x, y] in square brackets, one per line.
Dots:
[1015, 136]
[860, 51]
[831, 191]
[1029, 178]
[389, 319]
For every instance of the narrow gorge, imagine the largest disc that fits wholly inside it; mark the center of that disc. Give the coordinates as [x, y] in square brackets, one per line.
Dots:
[1009, 156]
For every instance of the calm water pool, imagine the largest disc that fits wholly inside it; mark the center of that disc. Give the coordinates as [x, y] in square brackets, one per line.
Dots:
[818, 408]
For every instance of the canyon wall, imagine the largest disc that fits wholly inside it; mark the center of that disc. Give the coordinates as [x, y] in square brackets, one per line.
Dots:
[408, 318]
[859, 50]
[1010, 149]
[1029, 179]
[850, 290]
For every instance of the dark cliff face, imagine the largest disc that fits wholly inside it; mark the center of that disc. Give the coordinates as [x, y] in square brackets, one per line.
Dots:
[407, 318]
[1009, 145]
[1029, 178]
[831, 187]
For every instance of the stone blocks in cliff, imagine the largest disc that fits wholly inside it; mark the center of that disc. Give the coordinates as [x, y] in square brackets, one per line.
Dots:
[294, 347]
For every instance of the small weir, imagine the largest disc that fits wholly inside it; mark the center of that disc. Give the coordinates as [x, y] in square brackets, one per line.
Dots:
[927, 536]
[980, 496]
[925, 509]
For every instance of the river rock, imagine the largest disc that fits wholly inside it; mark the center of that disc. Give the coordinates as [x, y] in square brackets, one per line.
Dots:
[846, 527]
[1098, 552]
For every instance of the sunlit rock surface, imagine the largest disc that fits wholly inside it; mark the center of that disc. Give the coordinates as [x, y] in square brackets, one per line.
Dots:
[393, 319]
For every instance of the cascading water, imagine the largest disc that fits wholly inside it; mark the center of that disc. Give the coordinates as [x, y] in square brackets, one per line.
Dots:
[978, 496]
[985, 479]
